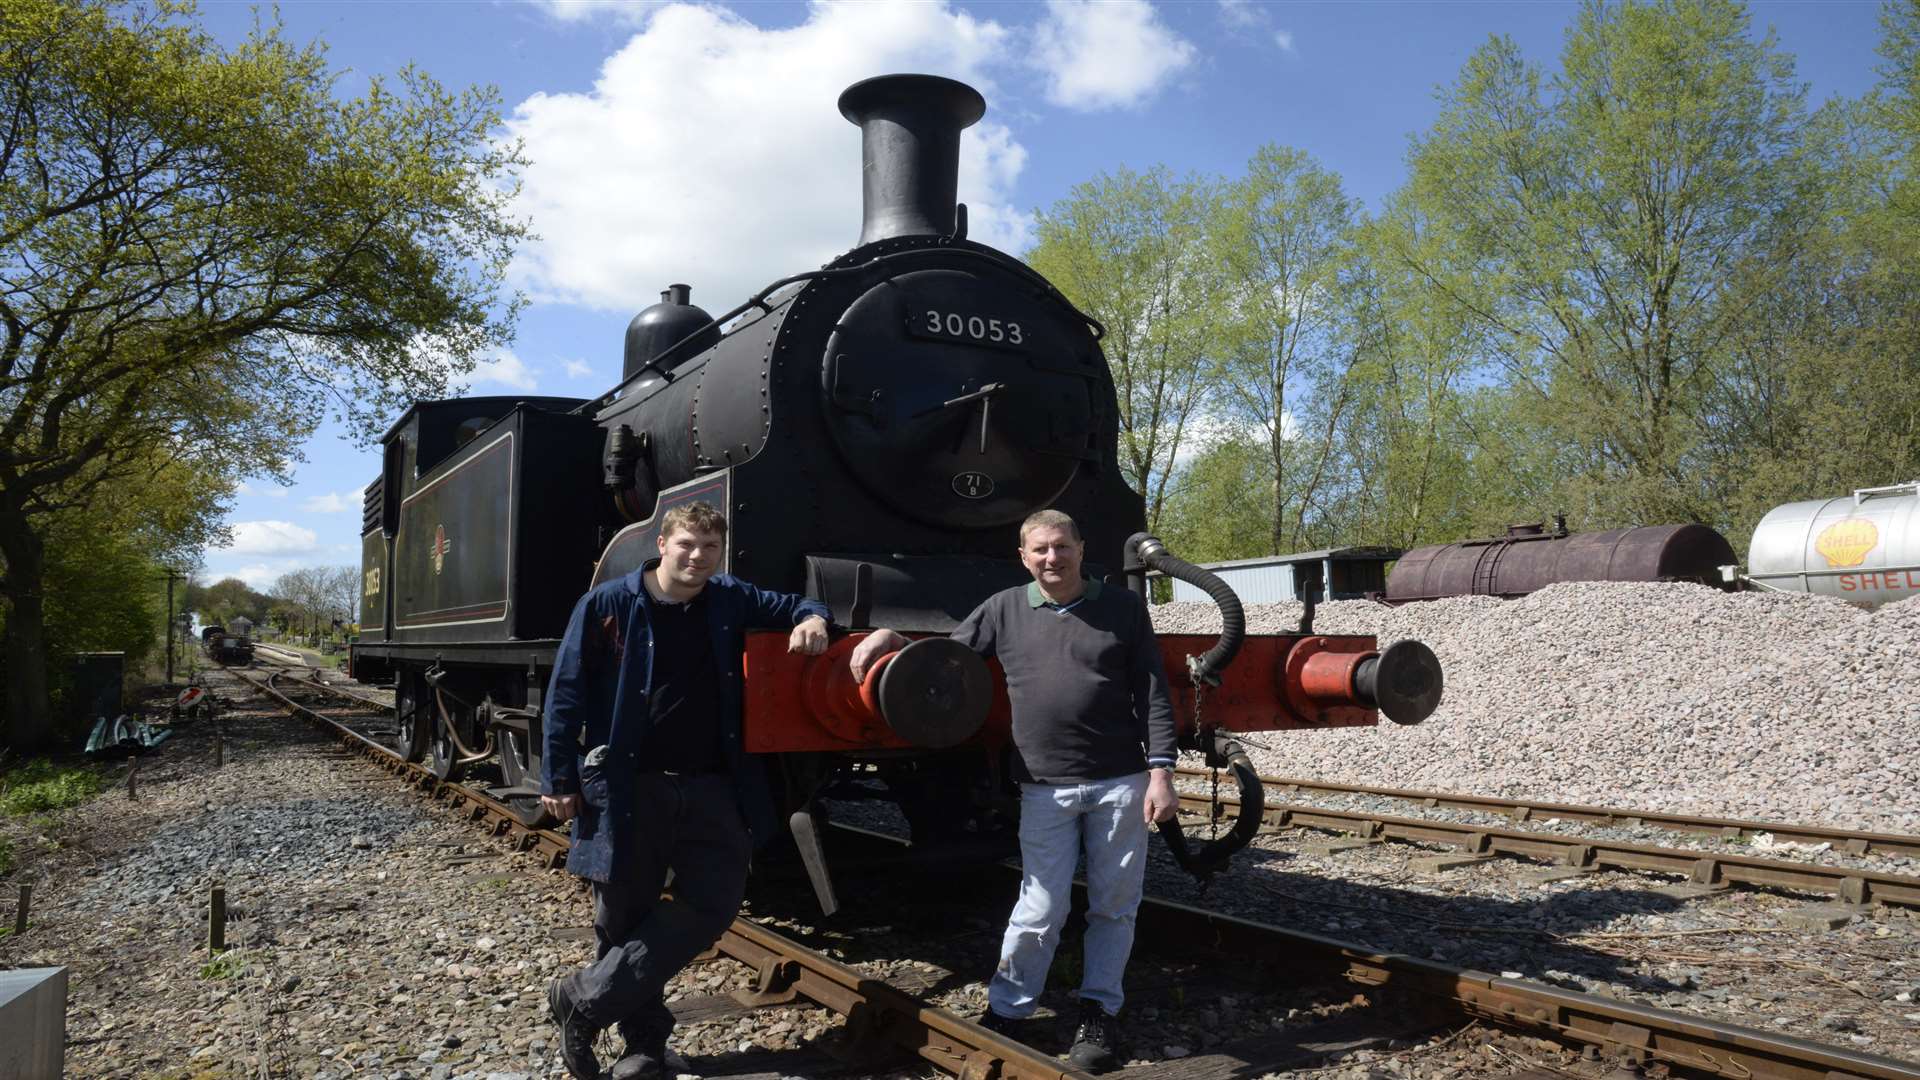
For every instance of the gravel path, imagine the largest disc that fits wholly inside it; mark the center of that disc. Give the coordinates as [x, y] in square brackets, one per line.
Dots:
[371, 933]
[1656, 696]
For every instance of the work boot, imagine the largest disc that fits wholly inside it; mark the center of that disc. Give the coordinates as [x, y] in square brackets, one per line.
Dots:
[1000, 1025]
[641, 1064]
[576, 1033]
[1095, 1040]
[646, 1056]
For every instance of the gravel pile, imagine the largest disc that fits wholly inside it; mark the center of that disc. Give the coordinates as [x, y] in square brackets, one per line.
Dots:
[1652, 696]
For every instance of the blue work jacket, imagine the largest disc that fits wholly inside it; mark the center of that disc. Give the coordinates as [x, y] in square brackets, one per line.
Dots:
[600, 696]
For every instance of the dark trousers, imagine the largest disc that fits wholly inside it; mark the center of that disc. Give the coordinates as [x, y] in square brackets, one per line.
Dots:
[690, 825]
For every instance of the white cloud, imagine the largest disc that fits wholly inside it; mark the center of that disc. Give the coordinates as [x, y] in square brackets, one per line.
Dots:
[1241, 14]
[578, 369]
[272, 538]
[1106, 54]
[334, 502]
[573, 11]
[750, 173]
[1284, 39]
[257, 576]
[504, 369]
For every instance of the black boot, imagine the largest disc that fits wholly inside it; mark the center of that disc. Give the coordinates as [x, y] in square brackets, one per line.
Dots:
[576, 1033]
[645, 1036]
[646, 1056]
[1096, 1040]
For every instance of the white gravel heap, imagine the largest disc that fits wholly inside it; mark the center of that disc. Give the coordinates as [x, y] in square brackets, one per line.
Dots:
[1653, 696]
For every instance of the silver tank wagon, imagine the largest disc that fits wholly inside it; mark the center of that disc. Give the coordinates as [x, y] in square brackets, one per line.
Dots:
[1863, 548]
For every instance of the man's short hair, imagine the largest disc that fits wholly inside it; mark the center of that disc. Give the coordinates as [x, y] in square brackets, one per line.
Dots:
[1045, 519]
[695, 517]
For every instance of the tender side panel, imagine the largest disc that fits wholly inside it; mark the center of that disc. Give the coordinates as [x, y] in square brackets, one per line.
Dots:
[453, 549]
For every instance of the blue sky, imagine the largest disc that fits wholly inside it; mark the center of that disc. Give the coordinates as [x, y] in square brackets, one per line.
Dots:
[700, 143]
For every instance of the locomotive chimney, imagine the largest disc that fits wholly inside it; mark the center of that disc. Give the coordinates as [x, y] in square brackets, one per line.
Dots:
[909, 151]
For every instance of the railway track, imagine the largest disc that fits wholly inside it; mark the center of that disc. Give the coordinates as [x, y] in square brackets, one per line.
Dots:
[1646, 1037]
[1705, 868]
[1849, 840]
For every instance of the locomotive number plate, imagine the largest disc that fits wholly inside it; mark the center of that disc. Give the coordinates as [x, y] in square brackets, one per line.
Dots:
[942, 324]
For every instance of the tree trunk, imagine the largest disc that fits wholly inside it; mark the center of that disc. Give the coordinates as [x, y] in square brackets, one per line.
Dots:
[29, 716]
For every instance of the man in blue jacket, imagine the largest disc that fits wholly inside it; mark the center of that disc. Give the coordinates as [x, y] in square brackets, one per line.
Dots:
[643, 754]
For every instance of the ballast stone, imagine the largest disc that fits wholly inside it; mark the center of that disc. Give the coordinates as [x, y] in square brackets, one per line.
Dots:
[1657, 696]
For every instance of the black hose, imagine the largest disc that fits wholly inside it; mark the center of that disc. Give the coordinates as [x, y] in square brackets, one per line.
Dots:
[1209, 857]
[1233, 619]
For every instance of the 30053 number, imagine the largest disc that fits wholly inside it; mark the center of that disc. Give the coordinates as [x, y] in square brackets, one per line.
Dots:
[976, 327]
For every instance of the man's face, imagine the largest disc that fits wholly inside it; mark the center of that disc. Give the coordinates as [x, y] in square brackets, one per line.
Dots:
[1052, 556]
[689, 558]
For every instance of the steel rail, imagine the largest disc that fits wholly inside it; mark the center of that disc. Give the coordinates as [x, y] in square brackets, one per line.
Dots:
[1851, 885]
[877, 1013]
[372, 703]
[1853, 841]
[1640, 1033]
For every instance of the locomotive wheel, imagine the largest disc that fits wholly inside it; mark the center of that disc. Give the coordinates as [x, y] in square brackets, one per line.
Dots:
[413, 717]
[520, 767]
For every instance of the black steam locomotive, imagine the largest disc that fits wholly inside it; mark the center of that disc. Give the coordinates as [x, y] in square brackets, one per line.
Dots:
[875, 430]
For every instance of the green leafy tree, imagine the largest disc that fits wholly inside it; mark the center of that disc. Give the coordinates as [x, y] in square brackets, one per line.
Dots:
[1281, 240]
[1130, 250]
[1818, 399]
[1221, 504]
[1615, 225]
[204, 249]
[226, 599]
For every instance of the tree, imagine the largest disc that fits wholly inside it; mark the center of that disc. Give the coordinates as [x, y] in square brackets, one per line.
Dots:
[340, 592]
[1818, 398]
[227, 599]
[1614, 227]
[1221, 504]
[1129, 250]
[202, 250]
[1281, 243]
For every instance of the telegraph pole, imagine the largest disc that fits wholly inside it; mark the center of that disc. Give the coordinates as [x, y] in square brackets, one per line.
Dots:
[171, 576]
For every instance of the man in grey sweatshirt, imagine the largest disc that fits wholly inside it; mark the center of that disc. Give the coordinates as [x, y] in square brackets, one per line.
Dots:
[1093, 737]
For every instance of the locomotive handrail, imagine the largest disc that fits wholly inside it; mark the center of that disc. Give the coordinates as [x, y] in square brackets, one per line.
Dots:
[758, 300]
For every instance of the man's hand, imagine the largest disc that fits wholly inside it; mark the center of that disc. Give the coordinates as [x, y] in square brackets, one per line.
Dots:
[876, 645]
[809, 637]
[1161, 800]
[562, 807]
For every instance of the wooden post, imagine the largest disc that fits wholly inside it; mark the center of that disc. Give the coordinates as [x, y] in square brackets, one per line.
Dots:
[20, 910]
[133, 777]
[219, 743]
[217, 920]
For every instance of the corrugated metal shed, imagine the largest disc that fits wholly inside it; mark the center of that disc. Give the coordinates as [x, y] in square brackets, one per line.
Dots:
[1352, 571]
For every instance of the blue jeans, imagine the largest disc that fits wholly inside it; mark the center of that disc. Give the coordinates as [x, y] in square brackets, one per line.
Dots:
[1104, 816]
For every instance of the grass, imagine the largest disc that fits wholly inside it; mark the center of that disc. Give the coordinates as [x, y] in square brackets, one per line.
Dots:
[39, 785]
[225, 966]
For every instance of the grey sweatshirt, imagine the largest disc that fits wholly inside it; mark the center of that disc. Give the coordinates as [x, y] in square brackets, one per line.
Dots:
[1087, 683]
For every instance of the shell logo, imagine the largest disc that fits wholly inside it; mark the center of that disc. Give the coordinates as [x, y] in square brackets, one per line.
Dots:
[1846, 543]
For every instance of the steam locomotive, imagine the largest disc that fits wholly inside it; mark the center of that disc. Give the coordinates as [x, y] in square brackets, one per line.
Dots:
[875, 431]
